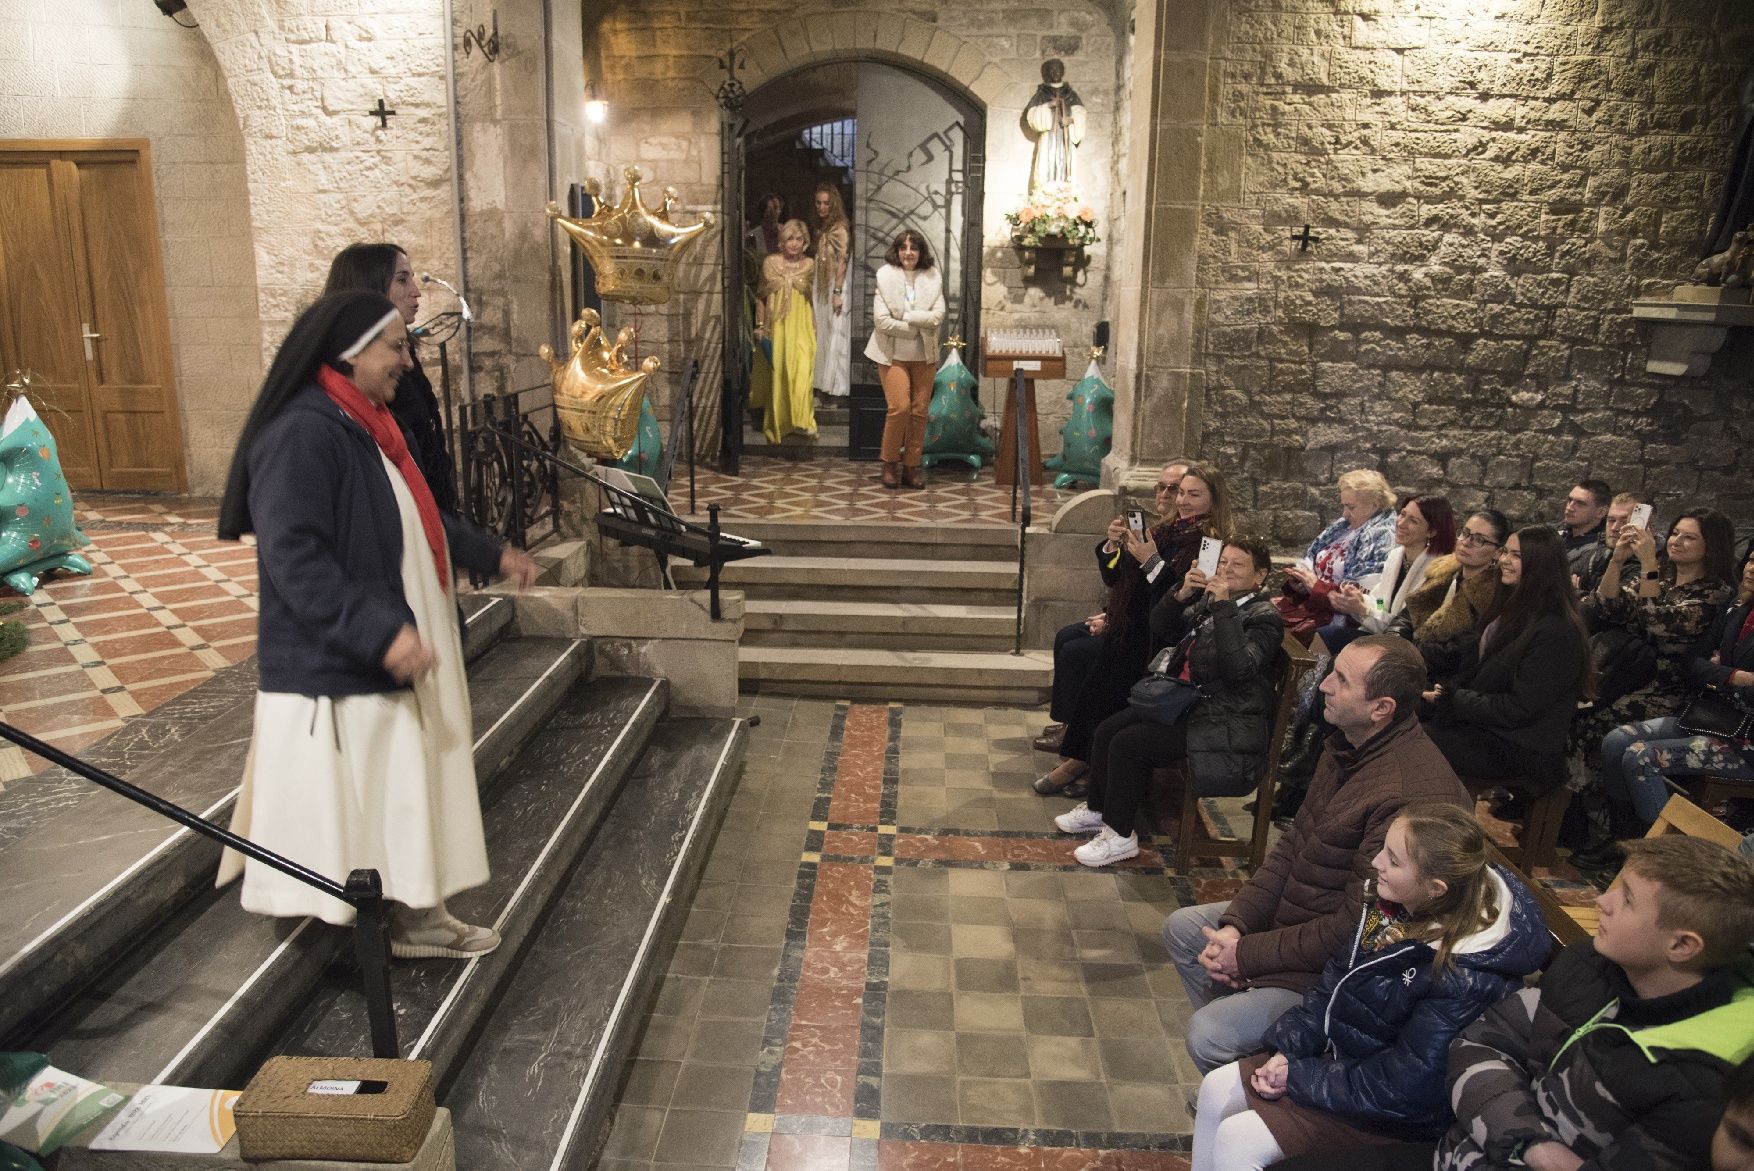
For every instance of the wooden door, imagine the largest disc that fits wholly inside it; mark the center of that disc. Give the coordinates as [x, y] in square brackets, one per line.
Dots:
[82, 305]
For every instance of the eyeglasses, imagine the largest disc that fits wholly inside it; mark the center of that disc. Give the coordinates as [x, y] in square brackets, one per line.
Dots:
[1168, 487]
[1465, 537]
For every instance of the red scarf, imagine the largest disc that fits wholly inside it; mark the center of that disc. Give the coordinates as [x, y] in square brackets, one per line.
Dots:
[381, 425]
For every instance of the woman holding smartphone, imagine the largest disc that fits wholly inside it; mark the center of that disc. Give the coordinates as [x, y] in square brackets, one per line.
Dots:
[1138, 572]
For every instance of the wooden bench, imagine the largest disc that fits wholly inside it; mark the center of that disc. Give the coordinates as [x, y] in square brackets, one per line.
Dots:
[1538, 844]
[1192, 841]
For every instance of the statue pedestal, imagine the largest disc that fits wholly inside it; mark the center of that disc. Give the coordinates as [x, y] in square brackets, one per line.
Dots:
[1685, 334]
[1067, 255]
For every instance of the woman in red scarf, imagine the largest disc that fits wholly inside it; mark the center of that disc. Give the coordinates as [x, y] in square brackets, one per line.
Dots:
[361, 753]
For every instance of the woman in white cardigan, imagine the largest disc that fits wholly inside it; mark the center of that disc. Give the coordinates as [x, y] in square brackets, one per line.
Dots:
[1425, 529]
[906, 310]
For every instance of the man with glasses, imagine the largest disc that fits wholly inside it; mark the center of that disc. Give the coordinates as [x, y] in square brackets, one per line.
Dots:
[1586, 511]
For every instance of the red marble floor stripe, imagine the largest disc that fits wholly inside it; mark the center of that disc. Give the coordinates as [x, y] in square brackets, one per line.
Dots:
[827, 966]
[858, 781]
[1050, 851]
[843, 891]
[902, 1155]
[808, 1152]
[827, 1093]
[832, 1005]
[856, 845]
[821, 1047]
[982, 1158]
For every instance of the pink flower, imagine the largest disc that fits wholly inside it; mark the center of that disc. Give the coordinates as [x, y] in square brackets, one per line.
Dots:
[1086, 214]
[1026, 215]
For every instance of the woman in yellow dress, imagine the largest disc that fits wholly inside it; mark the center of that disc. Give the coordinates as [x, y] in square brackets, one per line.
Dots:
[783, 315]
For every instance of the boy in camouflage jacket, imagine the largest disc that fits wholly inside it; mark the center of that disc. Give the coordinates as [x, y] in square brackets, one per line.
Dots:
[1618, 1060]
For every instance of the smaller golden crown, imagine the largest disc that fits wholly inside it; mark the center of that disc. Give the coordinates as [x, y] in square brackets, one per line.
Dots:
[596, 394]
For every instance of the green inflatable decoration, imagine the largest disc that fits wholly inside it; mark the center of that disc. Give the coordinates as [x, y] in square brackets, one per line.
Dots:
[648, 447]
[953, 421]
[37, 530]
[1088, 434]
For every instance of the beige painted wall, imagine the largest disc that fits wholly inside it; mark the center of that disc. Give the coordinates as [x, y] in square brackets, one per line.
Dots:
[118, 69]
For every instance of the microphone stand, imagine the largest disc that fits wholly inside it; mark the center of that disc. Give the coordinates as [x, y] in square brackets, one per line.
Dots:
[441, 328]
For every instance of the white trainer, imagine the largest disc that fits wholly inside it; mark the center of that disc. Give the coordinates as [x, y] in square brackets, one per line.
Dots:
[1106, 848]
[1081, 820]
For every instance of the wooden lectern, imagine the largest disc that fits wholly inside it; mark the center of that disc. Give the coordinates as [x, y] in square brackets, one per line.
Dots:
[1039, 354]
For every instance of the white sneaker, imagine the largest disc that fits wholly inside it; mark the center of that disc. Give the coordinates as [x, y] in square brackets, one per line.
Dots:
[1081, 820]
[1107, 847]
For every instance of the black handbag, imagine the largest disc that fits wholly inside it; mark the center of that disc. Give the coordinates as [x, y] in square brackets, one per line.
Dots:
[1711, 713]
[1623, 662]
[1161, 697]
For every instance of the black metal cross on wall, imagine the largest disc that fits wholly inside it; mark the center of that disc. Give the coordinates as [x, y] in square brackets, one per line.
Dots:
[1304, 239]
[382, 114]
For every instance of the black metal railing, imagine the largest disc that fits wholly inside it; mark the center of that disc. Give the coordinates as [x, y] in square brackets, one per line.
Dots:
[659, 529]
[1023, 481]
[363, 890]
[510, 489]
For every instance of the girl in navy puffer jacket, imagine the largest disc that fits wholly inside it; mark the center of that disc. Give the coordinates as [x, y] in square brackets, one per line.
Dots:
[1444, 936]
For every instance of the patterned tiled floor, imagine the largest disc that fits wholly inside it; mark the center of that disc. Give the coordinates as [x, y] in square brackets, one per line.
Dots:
[891, 966]
[837, 489]
[165, 606]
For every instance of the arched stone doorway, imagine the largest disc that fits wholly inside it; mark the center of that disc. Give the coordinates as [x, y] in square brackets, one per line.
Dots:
[905, 148]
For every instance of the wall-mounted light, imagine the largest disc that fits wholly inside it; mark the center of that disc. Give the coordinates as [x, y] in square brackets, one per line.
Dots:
[171, 7]
[596, 109]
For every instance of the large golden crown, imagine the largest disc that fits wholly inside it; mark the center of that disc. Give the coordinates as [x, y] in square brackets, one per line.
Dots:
[596, 394]
[633, 248]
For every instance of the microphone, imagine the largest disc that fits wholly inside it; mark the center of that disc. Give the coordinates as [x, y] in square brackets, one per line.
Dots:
[426, 278]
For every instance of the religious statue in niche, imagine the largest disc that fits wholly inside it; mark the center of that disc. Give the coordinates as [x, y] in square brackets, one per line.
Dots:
[1056, 115]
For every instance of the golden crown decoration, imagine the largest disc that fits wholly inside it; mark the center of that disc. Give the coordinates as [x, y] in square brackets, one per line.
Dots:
[596, 393]
[634, 249]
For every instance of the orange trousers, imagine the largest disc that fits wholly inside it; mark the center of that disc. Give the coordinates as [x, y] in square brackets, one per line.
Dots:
[907, 387]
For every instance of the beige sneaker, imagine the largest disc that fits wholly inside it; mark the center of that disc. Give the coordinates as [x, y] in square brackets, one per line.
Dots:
[436, 934]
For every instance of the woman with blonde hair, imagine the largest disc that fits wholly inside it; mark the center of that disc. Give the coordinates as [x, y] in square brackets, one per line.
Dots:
[1351, 549]
[834, 324]
[783, 317]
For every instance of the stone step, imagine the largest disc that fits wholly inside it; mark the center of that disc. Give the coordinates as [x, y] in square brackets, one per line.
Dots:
[755, 441]
[855, 579]
[852, 672]
[864, 541]
[203, 984]
[551, 801]
[487, 619]
[917, 626]
[537, 1087]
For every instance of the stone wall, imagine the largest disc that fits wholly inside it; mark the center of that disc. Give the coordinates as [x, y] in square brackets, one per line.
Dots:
[117, 69]
[660, 74]
[1493, 184]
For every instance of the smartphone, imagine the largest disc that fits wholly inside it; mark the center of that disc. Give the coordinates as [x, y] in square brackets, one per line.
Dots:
[1136, 522]
[1210, 547]
[1640, 518]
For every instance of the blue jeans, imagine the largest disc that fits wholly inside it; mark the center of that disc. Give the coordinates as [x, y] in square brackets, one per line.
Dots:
[1636, 758]
[1226, 1025]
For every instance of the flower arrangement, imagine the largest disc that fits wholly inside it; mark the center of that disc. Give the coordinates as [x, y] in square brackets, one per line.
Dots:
[1055, 215]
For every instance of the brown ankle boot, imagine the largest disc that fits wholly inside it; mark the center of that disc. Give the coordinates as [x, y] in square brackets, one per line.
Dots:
[916, 478]
[891, 474]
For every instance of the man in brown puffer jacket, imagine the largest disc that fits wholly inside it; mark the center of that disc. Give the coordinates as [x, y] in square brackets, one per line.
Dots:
[1246, 961]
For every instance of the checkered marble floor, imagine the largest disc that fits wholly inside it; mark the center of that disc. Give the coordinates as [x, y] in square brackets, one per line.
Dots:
[166, 605]
[838, 489]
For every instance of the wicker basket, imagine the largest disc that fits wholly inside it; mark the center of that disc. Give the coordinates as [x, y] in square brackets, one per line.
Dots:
[278, 1118]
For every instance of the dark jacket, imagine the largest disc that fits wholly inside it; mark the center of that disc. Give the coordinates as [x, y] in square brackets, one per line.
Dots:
[1235, 661]
[329, 552]
[1298, 909]
[1721, 639]
[1628, 1084]
[1525, 690]
[417, 409]
[1370, 1042]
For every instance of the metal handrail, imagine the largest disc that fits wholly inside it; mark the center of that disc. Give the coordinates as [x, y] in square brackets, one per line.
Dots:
[363, 890]
[636, 503]
[1021, 479]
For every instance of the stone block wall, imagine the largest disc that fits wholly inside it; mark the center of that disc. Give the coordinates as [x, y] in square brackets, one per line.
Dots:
[660, 75]
[1493, 183]
[107, 69]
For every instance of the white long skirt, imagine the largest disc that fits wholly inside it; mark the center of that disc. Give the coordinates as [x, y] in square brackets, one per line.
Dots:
[385, 781]
[834, 345]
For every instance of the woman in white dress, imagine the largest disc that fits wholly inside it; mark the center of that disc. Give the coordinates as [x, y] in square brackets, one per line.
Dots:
[361, 754]
[834, 323]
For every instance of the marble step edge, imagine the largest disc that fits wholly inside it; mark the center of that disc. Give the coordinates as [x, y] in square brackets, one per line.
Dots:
[255, 973]
[487, 620]
[778, 532]
[870, 665]
[916, 692]
[587, 1114]
[466, 989]
[844, 617]
[86, 937]
[864, 572]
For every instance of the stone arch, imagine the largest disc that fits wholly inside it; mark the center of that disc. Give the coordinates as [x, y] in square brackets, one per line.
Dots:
[877, 35]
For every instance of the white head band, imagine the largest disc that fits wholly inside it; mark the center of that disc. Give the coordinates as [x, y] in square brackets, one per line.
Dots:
[370, 335]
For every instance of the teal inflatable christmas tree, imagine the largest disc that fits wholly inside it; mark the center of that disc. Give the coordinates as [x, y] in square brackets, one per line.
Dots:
[647, 451]
[1088, 434]
[953, 421]
[37, 530]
